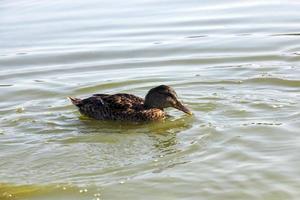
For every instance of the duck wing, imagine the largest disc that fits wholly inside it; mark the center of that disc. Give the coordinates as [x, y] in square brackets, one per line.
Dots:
[113, 107]
[121, 101]
[120, 106]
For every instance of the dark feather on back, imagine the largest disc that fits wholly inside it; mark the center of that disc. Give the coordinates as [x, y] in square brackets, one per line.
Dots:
[120, 106]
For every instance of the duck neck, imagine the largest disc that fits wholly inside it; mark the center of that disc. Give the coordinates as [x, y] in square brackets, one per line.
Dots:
[152, 102]
[148, 105]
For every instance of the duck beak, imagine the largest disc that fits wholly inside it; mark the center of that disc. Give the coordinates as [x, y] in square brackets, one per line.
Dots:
[183, 108]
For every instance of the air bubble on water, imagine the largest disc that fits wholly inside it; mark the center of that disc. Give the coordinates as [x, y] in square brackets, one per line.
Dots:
[97, 195]
[6, 194]
[277, 106]
[83, 190]
[20, 109]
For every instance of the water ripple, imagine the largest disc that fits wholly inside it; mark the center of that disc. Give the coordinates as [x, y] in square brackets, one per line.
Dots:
[235, 64]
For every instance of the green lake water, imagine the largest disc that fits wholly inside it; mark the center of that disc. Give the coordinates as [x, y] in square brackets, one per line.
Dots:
[235, 64]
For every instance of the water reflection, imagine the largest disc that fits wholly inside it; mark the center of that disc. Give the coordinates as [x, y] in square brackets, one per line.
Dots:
[170, 125]
[161, 134]
[61, 191]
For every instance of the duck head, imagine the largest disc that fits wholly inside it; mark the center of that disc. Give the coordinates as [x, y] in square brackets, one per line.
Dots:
[163, 97]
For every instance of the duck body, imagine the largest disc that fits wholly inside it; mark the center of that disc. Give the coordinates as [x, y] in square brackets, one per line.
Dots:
[122, 106]
[128, 107]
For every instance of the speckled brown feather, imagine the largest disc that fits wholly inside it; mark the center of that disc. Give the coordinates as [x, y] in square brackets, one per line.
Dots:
[125, 107]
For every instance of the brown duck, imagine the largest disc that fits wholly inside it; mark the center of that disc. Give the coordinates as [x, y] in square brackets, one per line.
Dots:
[128, 107]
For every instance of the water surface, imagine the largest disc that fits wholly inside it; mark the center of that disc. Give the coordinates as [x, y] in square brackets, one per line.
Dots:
[234, 63]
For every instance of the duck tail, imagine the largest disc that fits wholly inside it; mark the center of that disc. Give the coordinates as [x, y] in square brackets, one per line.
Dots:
[75, 101]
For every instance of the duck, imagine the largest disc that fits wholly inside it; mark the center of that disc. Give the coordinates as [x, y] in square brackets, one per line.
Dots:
[128, 107]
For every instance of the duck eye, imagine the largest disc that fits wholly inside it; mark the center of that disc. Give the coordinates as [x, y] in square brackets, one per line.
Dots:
[171, 95]
[168, 94]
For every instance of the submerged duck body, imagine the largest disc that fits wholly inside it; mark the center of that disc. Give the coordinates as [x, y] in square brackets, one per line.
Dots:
[128, 107]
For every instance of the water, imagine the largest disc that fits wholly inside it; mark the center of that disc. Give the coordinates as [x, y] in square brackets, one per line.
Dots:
[234, 63]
